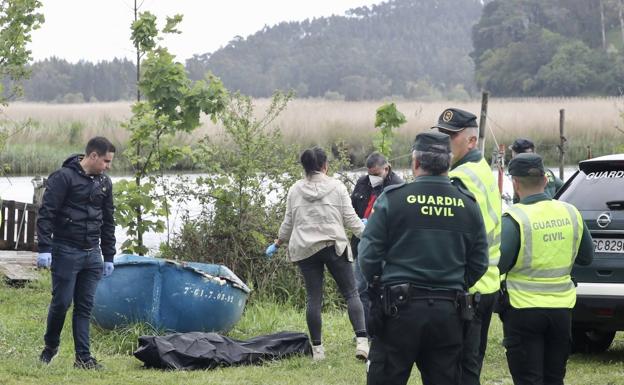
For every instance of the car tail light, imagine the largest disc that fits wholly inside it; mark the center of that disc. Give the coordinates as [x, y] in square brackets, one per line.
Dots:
[604, 312]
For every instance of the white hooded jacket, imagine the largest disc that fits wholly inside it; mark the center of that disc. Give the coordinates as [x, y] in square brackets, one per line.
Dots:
[318, 208]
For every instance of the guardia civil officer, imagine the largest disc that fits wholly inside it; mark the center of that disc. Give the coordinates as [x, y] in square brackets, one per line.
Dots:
[521, 146]
[541, 240]
[427, 242]
[471, 171]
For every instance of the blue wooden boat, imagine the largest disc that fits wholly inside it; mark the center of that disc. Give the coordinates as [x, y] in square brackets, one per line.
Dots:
[170, 295]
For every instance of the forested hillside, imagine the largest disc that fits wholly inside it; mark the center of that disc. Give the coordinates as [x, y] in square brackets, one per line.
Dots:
[416, 49]
[550, 47]
[412, 48]
[56, 80]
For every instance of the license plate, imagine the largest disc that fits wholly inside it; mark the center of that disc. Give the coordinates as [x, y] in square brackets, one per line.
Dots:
[608, 245]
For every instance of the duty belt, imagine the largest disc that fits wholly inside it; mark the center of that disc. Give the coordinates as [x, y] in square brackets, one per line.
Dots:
[404, 291]
[416, 292]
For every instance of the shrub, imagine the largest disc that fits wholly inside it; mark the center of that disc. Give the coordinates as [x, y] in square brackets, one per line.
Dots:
[243, 201]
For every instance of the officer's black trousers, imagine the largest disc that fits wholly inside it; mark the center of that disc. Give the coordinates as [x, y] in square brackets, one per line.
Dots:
[425, 332]
[475, 340]
[538, 344]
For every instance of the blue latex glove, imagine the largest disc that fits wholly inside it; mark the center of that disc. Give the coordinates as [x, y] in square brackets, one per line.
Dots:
[108, 268]
[271, 250]
[44, 260]
[365, 221]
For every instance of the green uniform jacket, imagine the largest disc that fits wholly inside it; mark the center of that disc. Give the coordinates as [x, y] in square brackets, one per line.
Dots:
[510, 240]
[428, 233]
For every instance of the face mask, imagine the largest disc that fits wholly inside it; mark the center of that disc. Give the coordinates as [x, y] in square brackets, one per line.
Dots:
[375, 180]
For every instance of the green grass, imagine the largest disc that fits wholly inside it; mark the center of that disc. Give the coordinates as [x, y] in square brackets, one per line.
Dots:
[22, 324]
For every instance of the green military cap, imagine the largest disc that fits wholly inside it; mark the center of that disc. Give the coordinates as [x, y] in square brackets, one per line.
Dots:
[526, 164]
[521, 145]
[454, 119]
[432, 142]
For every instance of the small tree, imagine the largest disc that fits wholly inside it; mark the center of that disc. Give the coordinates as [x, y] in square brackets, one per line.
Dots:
[388, 117]
[172, 105]
[18, 18]
[249, 170]
[243, 198]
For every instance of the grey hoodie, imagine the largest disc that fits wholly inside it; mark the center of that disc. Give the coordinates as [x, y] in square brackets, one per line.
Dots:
[318, 209]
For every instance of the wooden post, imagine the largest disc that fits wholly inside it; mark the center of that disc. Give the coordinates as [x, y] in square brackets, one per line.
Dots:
[589, 153]
[31, 229]
[10, 224]
[602, 25]
[562, 140]
[483, 120]
[501, 167]
[39, 185]
[621, 17]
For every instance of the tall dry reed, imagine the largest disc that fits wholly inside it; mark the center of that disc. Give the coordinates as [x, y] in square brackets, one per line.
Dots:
[588, 121]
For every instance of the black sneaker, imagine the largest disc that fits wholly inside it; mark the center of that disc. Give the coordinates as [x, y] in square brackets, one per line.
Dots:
[47, 354]
[87, 363]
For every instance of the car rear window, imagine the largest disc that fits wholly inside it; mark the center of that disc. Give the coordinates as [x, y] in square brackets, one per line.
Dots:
[593, 188]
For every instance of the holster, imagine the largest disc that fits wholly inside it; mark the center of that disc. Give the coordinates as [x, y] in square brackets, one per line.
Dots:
[502, 304]
[467, 305]
[396, 297]
[376, 316]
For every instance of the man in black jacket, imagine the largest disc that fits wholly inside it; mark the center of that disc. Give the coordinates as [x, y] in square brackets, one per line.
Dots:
[75, 228]
[365, 192]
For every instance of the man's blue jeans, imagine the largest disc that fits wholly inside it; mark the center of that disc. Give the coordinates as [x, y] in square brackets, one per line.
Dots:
[75, 274]
[362, 288]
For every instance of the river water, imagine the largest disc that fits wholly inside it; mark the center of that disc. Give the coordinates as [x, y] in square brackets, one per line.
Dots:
[21, 189]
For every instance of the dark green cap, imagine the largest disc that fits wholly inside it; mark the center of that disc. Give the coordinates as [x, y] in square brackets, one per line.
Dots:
[454, 119]
[432, 142]
[526, 164]
[521, 145]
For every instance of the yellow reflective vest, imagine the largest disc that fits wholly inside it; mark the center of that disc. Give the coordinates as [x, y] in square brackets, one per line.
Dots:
[550, 237]
[479, 180]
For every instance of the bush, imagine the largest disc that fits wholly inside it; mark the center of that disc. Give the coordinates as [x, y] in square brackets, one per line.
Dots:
[75, 133]
[333, 95]
[458, 93]
[238, 221]
[243, 202]
[73, 98]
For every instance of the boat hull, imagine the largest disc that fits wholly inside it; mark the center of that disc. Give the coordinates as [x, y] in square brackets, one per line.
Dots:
[168, 295]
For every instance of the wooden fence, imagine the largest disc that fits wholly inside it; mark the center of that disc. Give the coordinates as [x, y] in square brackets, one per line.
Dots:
[17, 228]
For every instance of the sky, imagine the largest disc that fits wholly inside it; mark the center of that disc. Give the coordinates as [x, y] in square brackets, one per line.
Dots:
[96, 30]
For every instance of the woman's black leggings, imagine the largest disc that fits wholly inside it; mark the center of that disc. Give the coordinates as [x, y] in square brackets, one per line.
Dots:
[312, 269]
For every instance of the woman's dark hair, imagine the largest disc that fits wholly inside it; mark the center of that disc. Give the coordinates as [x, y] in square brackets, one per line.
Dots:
[313, 159]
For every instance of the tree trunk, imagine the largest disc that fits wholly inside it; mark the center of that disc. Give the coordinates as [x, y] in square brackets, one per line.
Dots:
[620, 14]
[602, 25]
[138, 210]
[138, 56]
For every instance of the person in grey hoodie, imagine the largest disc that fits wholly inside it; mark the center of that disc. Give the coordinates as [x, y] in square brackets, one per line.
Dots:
[318, 208]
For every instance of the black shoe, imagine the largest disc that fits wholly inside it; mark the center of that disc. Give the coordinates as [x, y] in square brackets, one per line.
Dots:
[87, 363]
[47, 354]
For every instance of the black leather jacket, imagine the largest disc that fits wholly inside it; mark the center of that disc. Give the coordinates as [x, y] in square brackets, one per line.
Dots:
[363, 190]
[77, 210]
[361, 194]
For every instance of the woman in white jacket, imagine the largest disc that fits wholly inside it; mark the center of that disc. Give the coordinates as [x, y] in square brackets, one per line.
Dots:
[318, 209]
